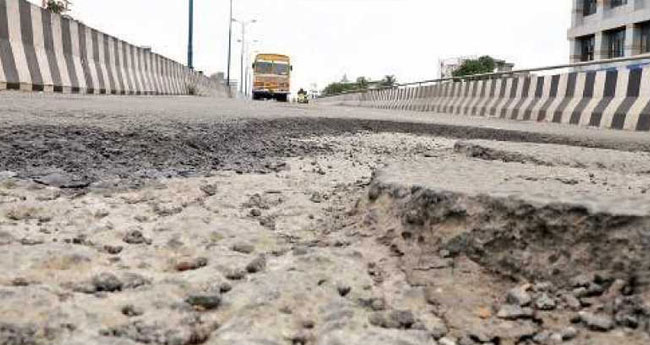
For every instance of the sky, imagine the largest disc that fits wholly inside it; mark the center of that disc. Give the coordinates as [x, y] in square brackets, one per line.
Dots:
[329, 38]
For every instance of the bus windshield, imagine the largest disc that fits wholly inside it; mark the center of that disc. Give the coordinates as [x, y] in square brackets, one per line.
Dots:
[281, 69]
[264, 67]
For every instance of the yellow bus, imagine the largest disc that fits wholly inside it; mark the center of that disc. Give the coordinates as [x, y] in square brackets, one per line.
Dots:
[271, 77]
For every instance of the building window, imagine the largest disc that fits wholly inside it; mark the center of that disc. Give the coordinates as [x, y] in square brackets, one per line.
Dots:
[617, 3]
[589, 7]
[645, 38]
[587, 47]
[616, 43]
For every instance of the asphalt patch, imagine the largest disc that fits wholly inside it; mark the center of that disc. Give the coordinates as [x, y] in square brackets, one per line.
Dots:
[73, 156]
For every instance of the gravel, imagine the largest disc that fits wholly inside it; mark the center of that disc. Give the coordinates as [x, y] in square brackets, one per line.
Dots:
[107, 282]
[343, 289]
[514, 312]
[597, 322]
[235, 274]
[191, 264]
[545, 302]
[519, 296]
[135, 237]
[256, 265]
[244, 248]
[206, 302]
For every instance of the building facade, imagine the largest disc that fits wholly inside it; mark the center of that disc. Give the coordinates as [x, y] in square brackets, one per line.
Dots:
[607, 29]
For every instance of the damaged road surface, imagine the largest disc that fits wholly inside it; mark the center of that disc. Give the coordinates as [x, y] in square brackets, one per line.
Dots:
[297, 226]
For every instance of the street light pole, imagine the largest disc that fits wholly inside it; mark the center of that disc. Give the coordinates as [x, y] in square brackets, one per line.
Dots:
[190, 63]
[229, 44]
[243, 45]
[247, 89]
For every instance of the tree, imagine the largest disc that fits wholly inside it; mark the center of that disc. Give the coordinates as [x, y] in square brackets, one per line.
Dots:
[389, 81]
[333, 89]
[57, 6]
[484, 64]
[362, 83]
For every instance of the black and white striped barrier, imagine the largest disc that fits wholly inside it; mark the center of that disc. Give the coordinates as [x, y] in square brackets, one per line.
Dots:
[617, 98]
[41, 51]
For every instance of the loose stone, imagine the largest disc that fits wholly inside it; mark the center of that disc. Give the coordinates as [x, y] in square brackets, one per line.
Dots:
[519, 296]
[107, 282]
[597, 322]
[205, 302]
[569, 333]
[244, 248]
[113, 250]
[236, 274]
[131, 310]
[343, 289]
[192, 264]
[135, 237]
[544, 302]
[513, 312]
[257, 265]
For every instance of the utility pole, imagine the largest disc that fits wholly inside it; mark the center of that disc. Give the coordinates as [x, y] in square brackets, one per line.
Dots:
[246, 74]
[243, 47]
[190, 63]
[247, 63]
[229, 45]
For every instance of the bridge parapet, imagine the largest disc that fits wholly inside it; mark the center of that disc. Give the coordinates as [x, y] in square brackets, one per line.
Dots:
[605, 94]
[43, 51]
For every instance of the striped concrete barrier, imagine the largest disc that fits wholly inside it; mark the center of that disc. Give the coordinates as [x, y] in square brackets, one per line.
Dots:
[617, 98]
[42, 51]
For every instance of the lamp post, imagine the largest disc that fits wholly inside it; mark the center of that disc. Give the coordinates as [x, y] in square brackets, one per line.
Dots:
[229, 46]
[242, 84]
[190, 63]
[243, 43]
[247, 89]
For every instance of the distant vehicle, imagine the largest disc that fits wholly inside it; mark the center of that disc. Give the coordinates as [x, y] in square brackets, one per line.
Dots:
[271, 77]
[303, 97]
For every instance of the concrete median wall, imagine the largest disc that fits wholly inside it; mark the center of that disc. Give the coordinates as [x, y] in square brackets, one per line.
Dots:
[615, 98]
[42, 51]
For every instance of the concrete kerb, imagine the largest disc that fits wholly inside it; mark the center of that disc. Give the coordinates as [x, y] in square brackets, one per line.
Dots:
[612, 99]
[41, 51]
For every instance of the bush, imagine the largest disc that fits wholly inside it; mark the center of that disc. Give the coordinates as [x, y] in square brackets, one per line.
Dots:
[361, 84]
[57, 6]
[484, 64]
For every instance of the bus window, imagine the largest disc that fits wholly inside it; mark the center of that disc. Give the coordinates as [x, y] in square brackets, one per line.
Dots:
[281, 69]
[263, 67]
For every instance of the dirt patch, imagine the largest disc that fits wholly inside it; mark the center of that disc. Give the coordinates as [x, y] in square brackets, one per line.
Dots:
[569, 270]
[519, 239]
[482, 152]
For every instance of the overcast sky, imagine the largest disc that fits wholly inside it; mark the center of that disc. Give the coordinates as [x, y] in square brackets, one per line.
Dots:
[329, 38]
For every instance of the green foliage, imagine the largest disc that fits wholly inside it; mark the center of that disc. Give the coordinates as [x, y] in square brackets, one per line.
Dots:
[361, 84]
[337, 88]
[484, 64]
[57, 6]
[389, 81]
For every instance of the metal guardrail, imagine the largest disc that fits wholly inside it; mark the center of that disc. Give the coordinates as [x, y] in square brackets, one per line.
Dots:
[500, 74]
